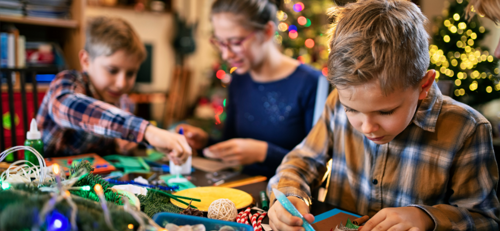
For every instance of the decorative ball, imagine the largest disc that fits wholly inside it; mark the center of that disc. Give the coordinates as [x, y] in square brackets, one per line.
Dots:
[222, 209]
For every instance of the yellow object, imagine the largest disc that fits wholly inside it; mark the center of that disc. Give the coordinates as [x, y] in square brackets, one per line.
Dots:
[246, 181]
[210, 194]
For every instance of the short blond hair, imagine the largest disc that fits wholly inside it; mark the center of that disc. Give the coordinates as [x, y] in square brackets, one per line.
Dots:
[488, 8]
[106, 35]
[378, 39]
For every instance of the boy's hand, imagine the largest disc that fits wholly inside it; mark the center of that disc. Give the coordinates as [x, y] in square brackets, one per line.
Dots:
[239, 151]
[280, 219]
[174, 145]
[403, 218]
[196, 137]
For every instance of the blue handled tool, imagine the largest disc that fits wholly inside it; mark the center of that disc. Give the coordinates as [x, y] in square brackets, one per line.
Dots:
[291, 209]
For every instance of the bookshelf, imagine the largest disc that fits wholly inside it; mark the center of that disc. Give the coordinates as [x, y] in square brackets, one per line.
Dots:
[63, 23]
[68, 33]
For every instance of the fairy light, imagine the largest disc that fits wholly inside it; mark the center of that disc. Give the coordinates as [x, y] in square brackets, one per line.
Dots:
[308, 23]
[220, 74]
[482, 29]
[302, 20]
[458, 82]
[298, 7]
[283, 26]
[293, 34]
[489, 89]
[130, 226]
[292, 28]
[86, 188]
[456, 16]
[232, 70]
[324, 71]
[446, 38]
[309, 43]
[5, 185]
[473, 86]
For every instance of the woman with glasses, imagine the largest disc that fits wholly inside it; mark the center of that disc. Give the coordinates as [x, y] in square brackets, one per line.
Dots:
[271, 96]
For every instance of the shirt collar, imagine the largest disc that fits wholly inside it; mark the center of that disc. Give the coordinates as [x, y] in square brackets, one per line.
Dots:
[428, 111]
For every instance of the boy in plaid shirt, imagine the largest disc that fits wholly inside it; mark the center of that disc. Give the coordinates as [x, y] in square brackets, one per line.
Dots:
[89, 111]
[401, 152]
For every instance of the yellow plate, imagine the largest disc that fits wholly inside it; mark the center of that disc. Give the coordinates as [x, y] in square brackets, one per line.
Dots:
[207, 195]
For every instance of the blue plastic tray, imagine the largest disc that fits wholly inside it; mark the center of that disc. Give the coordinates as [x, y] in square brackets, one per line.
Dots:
[163, 219]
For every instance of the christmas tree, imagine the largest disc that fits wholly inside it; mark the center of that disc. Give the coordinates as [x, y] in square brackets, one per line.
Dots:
[301, 31]
[457, 55]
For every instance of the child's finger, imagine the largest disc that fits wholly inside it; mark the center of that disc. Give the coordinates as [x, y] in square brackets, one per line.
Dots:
[220, 146]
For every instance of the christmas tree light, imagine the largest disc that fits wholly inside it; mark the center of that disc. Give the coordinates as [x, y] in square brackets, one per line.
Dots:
[456, 55]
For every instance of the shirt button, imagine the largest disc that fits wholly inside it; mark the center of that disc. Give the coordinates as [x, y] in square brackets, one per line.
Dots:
[131, 137]
[375, 181]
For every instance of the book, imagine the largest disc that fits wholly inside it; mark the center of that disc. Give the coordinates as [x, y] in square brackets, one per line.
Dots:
[4, 49]
[21, 51]
[11, 50]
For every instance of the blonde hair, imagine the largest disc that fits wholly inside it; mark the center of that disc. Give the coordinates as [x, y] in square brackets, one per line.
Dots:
[378, 39]
[106, 35]
[488, 8]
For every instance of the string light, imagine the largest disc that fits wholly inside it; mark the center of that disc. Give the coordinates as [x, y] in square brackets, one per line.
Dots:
[233, 69]
[283, 26]
[481, 29]
[324, 71]
[489, 89]
[298, 7]
[456, 16]
[293, 34]
[446, 38]
[220, 74]
[473, 86]
[458, 82]
[292, 28]
[309, 43]
[130, 226]
[308, 23]
[224, 103]
[5, 185]
[302, 20]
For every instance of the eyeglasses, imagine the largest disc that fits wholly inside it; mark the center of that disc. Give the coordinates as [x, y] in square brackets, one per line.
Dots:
[233, 44]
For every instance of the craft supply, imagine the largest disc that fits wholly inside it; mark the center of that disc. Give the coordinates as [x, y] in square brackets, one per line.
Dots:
[166, 188]
[184, 169]
[20, 171]
[129, 164]
[99, 164]
[291, 209]
[264, 201]
[222, 209]
[192, 211]
[177, 181]
[242, 182]
[209, 194]
[361, 220]
[327, 221]
[33, 139]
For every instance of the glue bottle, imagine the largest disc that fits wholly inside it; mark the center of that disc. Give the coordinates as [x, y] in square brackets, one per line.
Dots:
[33, 139]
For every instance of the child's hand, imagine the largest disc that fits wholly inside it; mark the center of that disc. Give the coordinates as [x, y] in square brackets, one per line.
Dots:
[280, 219]
[238, 151]
[196, 137]
[403, 218]
[172, 144]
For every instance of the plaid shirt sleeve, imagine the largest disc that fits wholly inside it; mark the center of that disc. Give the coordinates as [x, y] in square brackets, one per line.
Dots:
[473, 204]
[69, 107]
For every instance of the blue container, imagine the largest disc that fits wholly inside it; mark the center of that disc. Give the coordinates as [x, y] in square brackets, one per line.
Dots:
[163, 219]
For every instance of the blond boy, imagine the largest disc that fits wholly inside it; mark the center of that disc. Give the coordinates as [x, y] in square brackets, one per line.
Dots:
[89, 111]
[402, 153]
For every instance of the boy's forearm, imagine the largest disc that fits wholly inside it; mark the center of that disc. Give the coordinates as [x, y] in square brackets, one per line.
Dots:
[80, 112]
